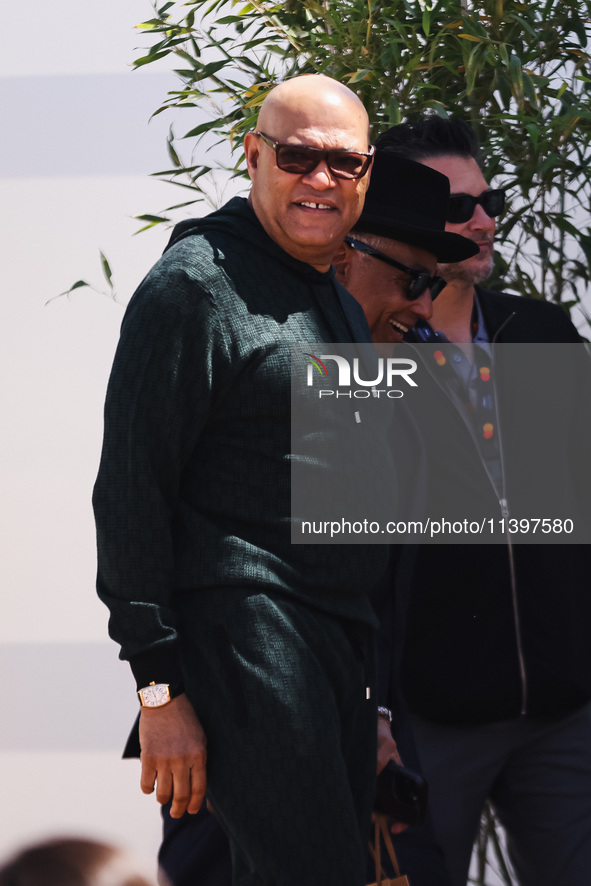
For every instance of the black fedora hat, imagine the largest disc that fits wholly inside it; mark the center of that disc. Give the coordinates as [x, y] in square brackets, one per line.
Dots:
[407, 201]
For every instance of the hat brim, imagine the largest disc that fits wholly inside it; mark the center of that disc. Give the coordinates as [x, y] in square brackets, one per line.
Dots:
[445, 246]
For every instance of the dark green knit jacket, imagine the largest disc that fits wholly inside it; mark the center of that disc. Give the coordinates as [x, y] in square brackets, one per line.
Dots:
[193, 490]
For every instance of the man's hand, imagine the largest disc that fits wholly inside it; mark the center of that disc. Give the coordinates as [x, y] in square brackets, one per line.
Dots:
[387, 751]
[173, 755]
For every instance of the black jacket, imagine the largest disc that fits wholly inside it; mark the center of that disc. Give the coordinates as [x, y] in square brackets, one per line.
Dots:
[485, 639]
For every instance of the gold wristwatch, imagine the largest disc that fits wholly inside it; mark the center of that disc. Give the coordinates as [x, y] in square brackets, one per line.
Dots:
[156, 695]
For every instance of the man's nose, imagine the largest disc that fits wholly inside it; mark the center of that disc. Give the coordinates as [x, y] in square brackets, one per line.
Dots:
[423, 305]
[320, 177]
[481, 220]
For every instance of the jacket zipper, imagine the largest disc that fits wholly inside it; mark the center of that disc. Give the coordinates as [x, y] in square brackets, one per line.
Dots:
[503, 503]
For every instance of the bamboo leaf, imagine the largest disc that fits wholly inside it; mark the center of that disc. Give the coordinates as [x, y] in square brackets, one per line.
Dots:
[156, 219]
[77, 285]
[208, 126]
[148, 59]
[529, 89]
[527, 26]
[516, 78]
[150, 25]
[358, 76]
[394, 116]
[579, 28]
[534, 134]
[106, 268]
[171, 151]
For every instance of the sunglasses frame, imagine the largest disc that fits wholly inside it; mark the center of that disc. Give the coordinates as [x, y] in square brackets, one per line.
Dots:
[481, 200]
[417, 277]
[317, 155]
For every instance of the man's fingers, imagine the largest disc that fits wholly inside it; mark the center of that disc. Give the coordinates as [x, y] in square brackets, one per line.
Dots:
[181, 791]
[181, 780]
[148, 775]
[198, 786]
[164, 785]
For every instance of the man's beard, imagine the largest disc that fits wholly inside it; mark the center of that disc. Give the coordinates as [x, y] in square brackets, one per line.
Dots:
[468, 271]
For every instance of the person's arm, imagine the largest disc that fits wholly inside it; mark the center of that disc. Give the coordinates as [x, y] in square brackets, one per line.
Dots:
[158, 401]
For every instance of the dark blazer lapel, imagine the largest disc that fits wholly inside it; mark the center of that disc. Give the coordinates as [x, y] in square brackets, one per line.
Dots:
[497, 314]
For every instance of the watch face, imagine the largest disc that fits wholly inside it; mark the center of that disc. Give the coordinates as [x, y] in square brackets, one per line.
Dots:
[155, 696]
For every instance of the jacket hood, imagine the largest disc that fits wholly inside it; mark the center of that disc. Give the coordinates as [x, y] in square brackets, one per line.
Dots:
[237, 218]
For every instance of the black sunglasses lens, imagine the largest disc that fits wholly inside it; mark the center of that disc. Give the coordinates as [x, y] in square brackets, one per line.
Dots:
[460, 208]
[493, 202]
[420, 283]
[438, 284]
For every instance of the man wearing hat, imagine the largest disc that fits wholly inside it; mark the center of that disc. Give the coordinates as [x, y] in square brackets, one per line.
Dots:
[389, 259]
[388, 264]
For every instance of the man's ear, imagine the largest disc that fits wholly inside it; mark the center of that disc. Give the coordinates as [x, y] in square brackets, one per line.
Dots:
[251, 152]
[342, 262]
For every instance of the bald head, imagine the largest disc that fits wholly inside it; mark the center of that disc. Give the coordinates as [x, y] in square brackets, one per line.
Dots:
[307, 214]
[300, 93]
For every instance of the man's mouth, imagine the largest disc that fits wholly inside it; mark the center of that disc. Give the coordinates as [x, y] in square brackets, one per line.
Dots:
[311, 205]
[398, 326]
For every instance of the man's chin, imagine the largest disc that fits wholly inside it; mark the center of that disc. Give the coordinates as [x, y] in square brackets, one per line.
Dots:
[471, 271]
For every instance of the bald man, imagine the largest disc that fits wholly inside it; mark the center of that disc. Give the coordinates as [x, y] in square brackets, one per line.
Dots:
[251, 655]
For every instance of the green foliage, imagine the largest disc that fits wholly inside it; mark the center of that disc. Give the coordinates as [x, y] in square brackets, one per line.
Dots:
[519, 72]
[83, 284]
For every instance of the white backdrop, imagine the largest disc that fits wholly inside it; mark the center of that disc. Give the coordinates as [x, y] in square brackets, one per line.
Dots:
[75, 154]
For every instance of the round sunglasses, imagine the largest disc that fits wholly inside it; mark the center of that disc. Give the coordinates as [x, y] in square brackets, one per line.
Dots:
[460, 207]
[420, 280]
[302, 159]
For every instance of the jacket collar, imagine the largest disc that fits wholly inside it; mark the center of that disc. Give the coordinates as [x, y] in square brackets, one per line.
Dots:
[497, 314]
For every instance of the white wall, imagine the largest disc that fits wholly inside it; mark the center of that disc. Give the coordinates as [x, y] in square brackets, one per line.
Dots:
[75, 153]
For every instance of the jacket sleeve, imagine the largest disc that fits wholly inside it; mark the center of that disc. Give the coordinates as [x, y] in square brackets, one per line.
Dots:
[159, 396]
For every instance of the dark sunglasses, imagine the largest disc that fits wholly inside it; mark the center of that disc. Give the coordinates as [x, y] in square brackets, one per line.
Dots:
[301, 159]
[460, 207]
[420, 280]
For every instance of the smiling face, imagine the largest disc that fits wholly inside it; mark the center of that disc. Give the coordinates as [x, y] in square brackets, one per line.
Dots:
[465, 177]
[380, 289]
[309, 214]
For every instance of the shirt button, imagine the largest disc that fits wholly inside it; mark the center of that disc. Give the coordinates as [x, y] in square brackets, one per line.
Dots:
[457, 358]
